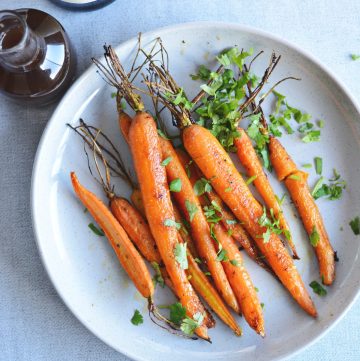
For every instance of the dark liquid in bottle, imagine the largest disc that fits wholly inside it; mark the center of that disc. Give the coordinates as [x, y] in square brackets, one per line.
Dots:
[50, 71]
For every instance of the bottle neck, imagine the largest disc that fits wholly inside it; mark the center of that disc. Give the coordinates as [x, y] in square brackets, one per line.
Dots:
[20, 47]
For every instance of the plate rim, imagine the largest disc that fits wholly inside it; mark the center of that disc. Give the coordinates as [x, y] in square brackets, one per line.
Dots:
[153, 34]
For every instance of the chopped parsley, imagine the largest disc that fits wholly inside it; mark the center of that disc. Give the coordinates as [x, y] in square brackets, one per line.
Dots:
[187, 169]
[222, 255]
[166, 161]
[355, 225]
[235, 263]
[213, 212]
[314, 237]
[355, 56]
[331, 191]
[171, 223]
[175, 185]
[192, 209]
[318, 289]
[251, 179]
[162, 134]
[294, 177]
[311, 136]
[177, 313]
[189, 325]
[137, 318]
[320, 123]
[271, 223]
[318, 165]
[181, 255]
[307, 165]
[179, 99]
[202, 186]
[202, 74]
[99, 232]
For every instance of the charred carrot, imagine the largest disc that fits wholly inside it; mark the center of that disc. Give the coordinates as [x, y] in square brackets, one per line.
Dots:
[296, 183]
[127, 254]
[251, 162]
[200, 231]
[216, 164]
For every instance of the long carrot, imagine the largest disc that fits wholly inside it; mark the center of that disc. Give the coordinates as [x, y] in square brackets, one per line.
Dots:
[251, 162]
[296, 183]
[216, 164]
[200, 230]
[146, 152]
[127, 254]
[227, 218]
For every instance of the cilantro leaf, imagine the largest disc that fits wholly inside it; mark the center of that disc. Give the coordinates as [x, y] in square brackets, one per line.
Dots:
[355, 225]
[99, 232]
[181, 255]
[202, 74]
[171, 223]
[355, 56]
[311, 136]
[137, 318]
[222, 256]
[318, 289]
[177, 313]
[166, 161]
[307, 165]
[251, 179]
[162, 134]
[175, 185]
[189, 325]
[235, 262]
[314, 237]
[202, 186]
[191, 208]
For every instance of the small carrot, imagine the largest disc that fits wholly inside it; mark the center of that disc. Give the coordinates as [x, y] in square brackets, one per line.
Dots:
[216, 164]
[127, 254]
[136, 199]
[296, 183]
[200, 231]
[250, 160]
[124, 124]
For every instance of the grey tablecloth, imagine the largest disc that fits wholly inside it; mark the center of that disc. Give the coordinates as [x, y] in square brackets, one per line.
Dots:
[34, 323]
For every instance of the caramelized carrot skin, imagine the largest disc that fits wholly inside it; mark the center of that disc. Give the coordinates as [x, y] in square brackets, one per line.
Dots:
[124, 123]
[213, 161]
[146, 152]
[280, 159]
[200, 230]
[240, 282]
[127, 254]
[251, 162]
[311, 218]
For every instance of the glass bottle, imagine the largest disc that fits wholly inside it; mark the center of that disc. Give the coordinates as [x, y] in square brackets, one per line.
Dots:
[37, 62]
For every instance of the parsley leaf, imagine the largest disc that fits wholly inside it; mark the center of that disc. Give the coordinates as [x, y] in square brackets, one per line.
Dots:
[251, 179]
[271, 223]
[311, 136]
[175, 185]
[332, 191]
[162, 134]
[318, 289]
[235, 263]
[177, 313]
[166, 161]
[222, 255]
[202, 74]
[213, 212]
[158, 278]
[314, 237]
[99, 232]
[294, 177]
[355, 56]
[355, 225]
[181, 255]
[137, 318]
[171, 223]
[318, 165]
[191, 208]
[202, 186]
[189, 325]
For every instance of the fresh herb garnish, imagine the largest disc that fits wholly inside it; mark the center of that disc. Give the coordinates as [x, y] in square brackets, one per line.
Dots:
[166, 161]
[171, 223]
[99, 232]
[212, 212]
[320, 123]
[197, 260]
[231, 221]
[202, 186]
[251, 179]
[271, 223]
[318, 165]
[228, 189]
[311, 136]
[189, 325]
[181, 255]
[137, 318]
[175, 185]
[158, 278]
[191, 208]
[355, 56]
[307, 165]
[177, 313]
[294, 177]
[318, 289]
[314, 237]
[235, 262]
[162, 134]
[332, 191]
[179, 99]
[222, 255]
[355, 225]
[202, 74]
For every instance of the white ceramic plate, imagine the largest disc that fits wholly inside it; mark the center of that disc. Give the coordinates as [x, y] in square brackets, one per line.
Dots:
[83, 267]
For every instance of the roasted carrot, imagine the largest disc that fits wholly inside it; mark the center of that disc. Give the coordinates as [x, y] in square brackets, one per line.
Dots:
[227, 218]
[202, 285]
[296, 183]
[216, 164]
[200, 230]
[251, 162]
[240, 281]
[127, 254]
[124, 124]
[151, 174]
[136, 199]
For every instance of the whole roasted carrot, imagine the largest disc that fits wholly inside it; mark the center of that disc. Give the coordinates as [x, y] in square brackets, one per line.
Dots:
[227, 218]
[296, 183]
[251, 162]
[200, 231]
[216, 164]
[240, 281]
[151, 174]
[127, 254]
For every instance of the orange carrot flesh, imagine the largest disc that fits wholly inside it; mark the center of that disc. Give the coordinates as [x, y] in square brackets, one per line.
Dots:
[200, 230]
[127, 254]
[240, 281]
[216, 164]
[313, 223]
[280, 159]
[296, 183]
[237, 232]
[124, 123]
[136, 199]
[151, 174]
[251, 162]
